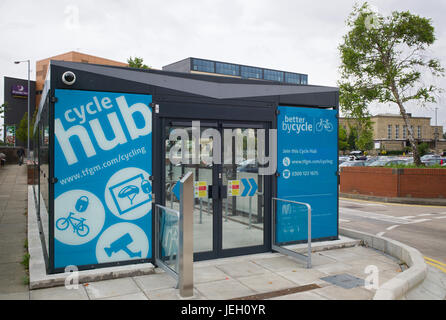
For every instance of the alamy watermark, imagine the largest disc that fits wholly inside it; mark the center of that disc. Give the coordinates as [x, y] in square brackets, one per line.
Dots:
[72, 280]
[193, 146]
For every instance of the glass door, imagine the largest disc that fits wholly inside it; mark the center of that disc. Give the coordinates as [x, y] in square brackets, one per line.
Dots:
[229, 214]
[179, 159]
[243, 208]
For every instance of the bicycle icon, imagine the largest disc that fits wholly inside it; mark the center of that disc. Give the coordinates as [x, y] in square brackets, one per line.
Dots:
[78, 225]
[324, 124]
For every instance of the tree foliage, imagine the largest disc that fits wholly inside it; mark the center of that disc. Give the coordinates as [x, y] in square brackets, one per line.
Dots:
[22, 130]
[137, 62]
[343, 143]
[383, 59]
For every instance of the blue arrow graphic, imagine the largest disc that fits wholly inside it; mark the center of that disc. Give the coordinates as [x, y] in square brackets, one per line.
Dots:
[246, 187]
[254, 187]
[176, 190]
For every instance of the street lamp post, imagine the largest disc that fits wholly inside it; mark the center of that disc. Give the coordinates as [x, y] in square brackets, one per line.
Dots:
[29, 101]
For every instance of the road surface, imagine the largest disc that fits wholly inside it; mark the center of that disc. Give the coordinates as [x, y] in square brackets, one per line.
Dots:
[421, 227]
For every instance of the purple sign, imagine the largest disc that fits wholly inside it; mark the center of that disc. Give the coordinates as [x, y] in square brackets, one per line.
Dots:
[18, 90]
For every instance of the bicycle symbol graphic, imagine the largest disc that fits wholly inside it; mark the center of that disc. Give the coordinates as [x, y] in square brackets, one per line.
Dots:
[78, 225]
[324, 124]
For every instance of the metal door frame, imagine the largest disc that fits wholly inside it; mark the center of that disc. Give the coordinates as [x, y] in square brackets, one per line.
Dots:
[159, 169]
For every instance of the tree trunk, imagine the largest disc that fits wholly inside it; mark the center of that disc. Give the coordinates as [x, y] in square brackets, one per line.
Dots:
[416, 154]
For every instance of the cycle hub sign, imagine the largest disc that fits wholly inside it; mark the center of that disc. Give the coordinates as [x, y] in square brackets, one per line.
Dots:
[307, 141]
[103, 161]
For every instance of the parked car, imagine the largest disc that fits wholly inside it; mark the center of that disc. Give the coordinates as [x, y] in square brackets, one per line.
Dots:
[385, 162]
[343, 159]
[434, 161]
[354, 163]
[249, 165]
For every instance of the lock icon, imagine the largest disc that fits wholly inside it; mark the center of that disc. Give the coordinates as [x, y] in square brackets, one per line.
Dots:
[146, 187]
[82, 204]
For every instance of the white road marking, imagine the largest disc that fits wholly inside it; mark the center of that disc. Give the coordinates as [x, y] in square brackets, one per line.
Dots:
[420, 220]
[425, 215]
[444, 217]
[392, 227]
[380, 234]
[407, 217]
[344, 220]
[363, 203]
[371, 215]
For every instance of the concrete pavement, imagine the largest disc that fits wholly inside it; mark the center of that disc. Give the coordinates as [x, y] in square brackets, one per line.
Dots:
[337, 273]
[13, 209]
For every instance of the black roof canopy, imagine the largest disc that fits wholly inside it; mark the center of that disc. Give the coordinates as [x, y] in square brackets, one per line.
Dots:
[215, 88]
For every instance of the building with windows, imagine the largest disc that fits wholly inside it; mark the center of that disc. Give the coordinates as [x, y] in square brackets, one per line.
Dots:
[72, 56]
[390, 132]
[218, 68]
[16, 105]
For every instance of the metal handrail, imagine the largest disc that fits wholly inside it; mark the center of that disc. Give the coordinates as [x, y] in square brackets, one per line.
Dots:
[273, 233]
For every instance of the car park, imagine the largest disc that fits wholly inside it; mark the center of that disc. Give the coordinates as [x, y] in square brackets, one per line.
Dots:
[354, 163]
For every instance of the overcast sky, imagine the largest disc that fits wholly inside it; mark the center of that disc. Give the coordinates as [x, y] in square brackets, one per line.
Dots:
[292, 35]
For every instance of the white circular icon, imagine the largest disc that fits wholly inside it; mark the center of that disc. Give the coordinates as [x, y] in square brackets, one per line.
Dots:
[286, 173]
[79, 217]
[128, 193]
[286, 161]
[121, 242]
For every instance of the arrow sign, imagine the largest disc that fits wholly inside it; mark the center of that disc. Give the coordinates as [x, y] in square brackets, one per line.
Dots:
[176, 190]
[249, 187]
[254, 187]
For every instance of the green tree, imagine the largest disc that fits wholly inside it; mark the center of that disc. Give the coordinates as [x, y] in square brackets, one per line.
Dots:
[352, 137]
[137, 62]
[343, 143]
[22, 130]
[423, 148]
[383, 59]
[365, 140]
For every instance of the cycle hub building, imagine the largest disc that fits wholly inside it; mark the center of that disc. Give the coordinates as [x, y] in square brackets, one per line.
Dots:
[104, 159]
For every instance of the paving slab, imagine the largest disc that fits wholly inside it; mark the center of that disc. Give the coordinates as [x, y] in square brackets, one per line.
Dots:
[170, 294]
[132, 296]
[208, 274]
[245, 269]
[337, 293]
[155, 281]
[333, 268]
[266, 282]
[59, 293]
[15, 296]
[111, 288]
[303, 276]
[223, 289]
[280, 263]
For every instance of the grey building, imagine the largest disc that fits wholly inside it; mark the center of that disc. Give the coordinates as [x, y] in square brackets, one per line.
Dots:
[16, 100]
[218, 68]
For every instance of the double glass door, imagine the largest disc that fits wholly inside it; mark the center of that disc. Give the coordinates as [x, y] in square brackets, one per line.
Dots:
[230, 216]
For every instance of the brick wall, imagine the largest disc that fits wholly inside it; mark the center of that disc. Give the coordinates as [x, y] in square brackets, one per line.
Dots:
[388, 182]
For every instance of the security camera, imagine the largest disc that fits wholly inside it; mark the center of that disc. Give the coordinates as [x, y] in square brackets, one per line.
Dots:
[69, 78]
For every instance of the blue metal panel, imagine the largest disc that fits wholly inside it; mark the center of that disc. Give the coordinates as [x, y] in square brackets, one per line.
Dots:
[103, 163]
[307, 150]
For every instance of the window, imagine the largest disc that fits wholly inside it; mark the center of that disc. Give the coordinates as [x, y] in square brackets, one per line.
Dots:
[419, 132]
[273, 75]
[404, 132]
[227, 68]
[203, 65]
[292, 78]
[397, 131]
[389, 131]
[251, 72]
[304, 79]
